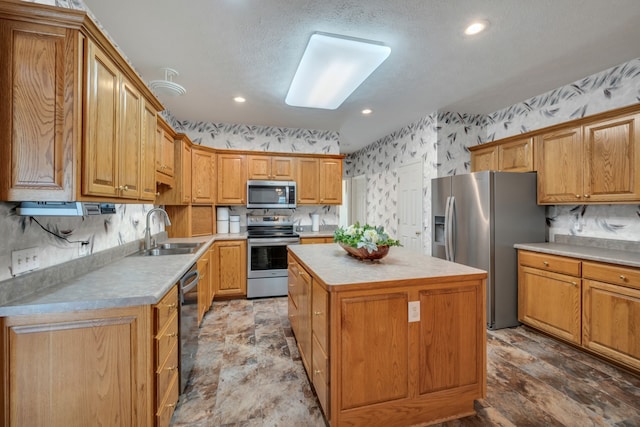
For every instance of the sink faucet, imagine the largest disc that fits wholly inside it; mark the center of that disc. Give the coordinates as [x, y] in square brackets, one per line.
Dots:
[147, 230]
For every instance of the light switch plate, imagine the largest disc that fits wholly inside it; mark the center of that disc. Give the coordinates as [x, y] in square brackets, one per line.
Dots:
[24, 260]
[414, 311]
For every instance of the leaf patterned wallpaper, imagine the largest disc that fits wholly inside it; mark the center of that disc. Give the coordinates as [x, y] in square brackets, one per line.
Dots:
[441, 142]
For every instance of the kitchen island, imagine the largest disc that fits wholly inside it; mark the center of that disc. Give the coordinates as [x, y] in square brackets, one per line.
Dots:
[395, 342]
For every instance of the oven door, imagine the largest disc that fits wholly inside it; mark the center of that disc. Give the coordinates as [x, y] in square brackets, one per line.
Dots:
[267, 257]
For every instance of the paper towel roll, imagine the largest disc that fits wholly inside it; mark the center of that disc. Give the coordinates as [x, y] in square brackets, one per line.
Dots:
[315, 222]
[222, 226]
[222, 214]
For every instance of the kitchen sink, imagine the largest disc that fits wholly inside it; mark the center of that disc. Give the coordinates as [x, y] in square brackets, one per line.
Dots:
[170, 249]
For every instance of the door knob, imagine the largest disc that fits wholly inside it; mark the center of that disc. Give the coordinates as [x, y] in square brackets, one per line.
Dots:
[417, 233]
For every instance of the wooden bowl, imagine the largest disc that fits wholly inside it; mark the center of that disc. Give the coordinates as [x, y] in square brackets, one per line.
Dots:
[363, 253]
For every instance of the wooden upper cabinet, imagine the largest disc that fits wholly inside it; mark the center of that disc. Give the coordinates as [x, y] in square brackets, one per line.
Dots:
[271, 168]
[330, 181]
[232, 179]
[180, 192]
[147, 169]
[165, 156]
[100, 161]
[516, 156]
[612, 160]
[595, 163]
[203, 176]
[484, 159]
[186, 164]
[38, 133]
[74, 110]
[307, 182]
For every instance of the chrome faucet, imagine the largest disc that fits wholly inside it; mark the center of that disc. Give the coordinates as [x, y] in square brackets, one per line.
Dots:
[147, 231]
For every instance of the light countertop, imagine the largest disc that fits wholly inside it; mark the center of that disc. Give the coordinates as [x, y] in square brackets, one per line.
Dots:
[335, 267]
[612, 256]
[128, 281]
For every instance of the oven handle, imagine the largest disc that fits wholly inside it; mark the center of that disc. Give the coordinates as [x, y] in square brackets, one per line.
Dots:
[186, 286]
[271, 242]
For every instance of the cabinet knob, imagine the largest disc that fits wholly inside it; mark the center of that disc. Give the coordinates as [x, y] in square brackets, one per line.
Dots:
[171, 368]
[126, 188]
[157, 193]
[172, 306]
[317, 372]
[586, 196]
[121, 188]
[574, 284]
[317, 313]
[577, 196]
[623, 277]
[172, 335]
[171, 405]
[546, 264]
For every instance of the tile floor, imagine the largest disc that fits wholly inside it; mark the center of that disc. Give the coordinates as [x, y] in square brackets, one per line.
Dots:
[248, 373]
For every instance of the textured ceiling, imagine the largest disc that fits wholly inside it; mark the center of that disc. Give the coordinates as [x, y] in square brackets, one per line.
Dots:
[226, 48]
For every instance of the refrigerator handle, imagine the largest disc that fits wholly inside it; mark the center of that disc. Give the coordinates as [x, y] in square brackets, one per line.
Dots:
[447, 226]
[451, 228]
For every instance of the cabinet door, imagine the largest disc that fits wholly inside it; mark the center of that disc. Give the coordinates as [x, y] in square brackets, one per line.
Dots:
[204, 298]
[307, 183]
[258, 167]
[484, 159]
[550, 302]
[148, 163]
[611, 315]
[232, 179]
[130, 160]
[38, 124]
[92, 367]
[230, 268]
[516, 156]
[612, 160]
[283, 168]
[168, 161]
[185, 176]
[560, 166]
[304, 318]
[331, 181]
[203, 184]
[100, 160]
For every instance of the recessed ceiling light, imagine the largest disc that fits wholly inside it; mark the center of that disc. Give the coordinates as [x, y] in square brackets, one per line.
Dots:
[331, 68]
[239, 99]
[367, 111]
[476, 27]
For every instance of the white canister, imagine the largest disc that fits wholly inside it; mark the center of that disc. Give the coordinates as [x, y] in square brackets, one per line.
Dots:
[315, 222]
[222, 226]
[222, 214]
[234, 224]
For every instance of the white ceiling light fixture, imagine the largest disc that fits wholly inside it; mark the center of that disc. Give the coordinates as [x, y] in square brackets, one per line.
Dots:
[476, 27]
[367, 111]
[239, 99]
[332, 67]
[167, 86]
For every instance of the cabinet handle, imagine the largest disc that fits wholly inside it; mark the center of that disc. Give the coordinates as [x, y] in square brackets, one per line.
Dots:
[317, 313]
[172, 335]
[546, 264]
[157, 193]
[171, 306]
[171, 405]
[574, 284]
[317, 372]
[171, 368]
[623, 277]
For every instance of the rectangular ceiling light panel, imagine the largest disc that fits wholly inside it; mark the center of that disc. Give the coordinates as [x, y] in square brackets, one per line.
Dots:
[332, 67]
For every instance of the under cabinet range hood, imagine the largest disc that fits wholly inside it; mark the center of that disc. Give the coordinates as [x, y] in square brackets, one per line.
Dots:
[65, 208]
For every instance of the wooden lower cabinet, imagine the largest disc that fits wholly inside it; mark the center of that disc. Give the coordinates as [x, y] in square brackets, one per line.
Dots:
[596, 307]
[204, 286]
[81, 368]
[313, 240]
[166, 353]
[230, 268]
[371, 366]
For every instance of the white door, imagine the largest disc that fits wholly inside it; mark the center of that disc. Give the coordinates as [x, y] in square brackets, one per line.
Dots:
[410, 206]
[344, 210]
[359, 199]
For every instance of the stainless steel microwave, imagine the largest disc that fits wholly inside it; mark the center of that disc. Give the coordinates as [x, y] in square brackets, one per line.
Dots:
[271, 194]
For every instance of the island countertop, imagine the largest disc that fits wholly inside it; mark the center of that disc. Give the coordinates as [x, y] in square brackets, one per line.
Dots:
[336, 268]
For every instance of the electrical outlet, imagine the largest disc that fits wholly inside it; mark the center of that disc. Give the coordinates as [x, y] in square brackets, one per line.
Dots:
[414, 311]
[83, 250]
[25, 260]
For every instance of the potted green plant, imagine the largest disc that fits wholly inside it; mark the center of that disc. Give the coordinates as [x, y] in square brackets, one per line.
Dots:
[364, 242]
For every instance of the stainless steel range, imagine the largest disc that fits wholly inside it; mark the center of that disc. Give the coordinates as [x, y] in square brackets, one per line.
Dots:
[268, 237]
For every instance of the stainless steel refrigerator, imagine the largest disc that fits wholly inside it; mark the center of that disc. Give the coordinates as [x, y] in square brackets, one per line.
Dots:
[477, 218]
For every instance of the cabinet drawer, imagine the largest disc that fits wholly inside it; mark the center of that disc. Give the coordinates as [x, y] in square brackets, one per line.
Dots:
[319, 318]
[166, 408]
[320, 375]
[164, 309]
[618, 275]
[165, 372]
[548, 262]
[166, 339]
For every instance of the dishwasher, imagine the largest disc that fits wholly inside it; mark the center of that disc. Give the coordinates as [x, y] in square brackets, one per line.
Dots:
[188, 323]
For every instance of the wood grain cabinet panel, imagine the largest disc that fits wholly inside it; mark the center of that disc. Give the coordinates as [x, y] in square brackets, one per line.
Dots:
[484, 159]
[230, 268]
[516, 156]
[330, 181]
[148, 151]
[307, 182]
[38, 131]
[274, 168]
[560, 157]
[232, 179]
[165, 155]
[315, 240]
[203, 176]
[83, 368]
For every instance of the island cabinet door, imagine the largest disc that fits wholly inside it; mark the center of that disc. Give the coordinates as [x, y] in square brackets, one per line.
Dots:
[451, 341]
